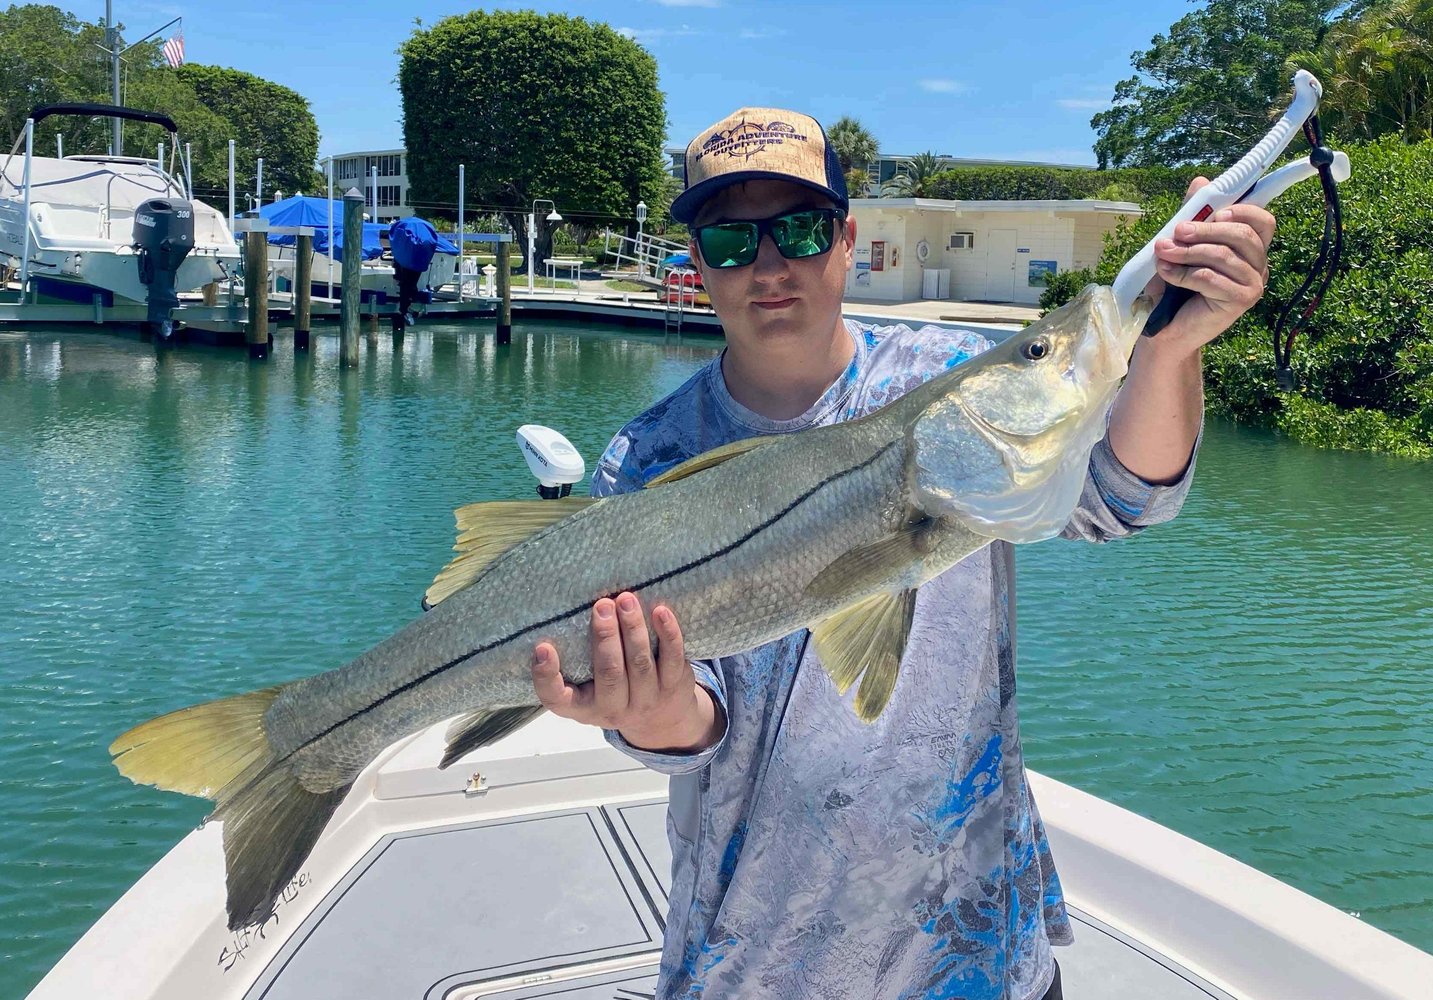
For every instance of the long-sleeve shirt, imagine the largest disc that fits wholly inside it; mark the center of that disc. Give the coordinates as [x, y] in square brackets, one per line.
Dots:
[815, 855]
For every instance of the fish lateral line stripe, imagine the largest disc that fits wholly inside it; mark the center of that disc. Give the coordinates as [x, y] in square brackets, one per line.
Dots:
[563, 616]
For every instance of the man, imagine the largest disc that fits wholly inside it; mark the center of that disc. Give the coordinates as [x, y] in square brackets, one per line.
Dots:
[815, 855]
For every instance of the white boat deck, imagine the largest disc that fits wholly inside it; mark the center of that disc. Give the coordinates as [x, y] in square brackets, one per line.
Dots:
[539, 867]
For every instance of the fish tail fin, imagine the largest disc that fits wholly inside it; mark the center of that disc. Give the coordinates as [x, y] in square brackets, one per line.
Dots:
[270, 825]
[199, 750]
[219, 750]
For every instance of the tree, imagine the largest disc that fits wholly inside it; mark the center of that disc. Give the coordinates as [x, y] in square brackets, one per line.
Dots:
[856, 149]
[558, 108]
[1377, 72]
[916, 177]
[1202, 92]
[50, 57]
[266, 119]
[47, 57]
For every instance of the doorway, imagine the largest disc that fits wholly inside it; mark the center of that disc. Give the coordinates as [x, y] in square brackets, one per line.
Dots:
[1000, 265]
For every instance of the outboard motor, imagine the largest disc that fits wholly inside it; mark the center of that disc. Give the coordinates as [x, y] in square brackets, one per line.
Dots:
[163, 235]
[413, 243]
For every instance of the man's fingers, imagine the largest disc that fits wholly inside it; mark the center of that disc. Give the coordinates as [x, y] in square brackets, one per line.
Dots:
[1217, 288]
[609, 669]
[1214, 256]
[673, 670]
[637, 647]
[556, 695]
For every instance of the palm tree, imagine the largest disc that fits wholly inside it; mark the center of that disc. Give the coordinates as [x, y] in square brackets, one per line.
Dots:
[915, 178]
[1377, 72]
[855, 149]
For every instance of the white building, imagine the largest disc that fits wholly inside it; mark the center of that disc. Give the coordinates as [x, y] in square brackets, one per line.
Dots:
[355, 170]
[993, 251]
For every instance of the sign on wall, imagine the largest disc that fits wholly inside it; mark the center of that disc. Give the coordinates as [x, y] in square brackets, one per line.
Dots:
[878, 255]
[1041, 271]
[863, 274]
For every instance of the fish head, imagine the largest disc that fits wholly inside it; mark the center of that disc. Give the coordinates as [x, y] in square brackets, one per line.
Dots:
[1005, 447]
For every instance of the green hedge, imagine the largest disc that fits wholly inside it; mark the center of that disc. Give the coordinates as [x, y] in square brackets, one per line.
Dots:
[1365, 361]
[1136, 184]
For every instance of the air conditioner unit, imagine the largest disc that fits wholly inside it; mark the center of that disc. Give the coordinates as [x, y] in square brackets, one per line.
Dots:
[961, 241]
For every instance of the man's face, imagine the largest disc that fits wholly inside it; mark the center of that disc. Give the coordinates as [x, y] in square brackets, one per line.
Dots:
[774, 297]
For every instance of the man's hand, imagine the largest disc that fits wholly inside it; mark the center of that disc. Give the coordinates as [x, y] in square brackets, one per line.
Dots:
[654, 705]
[1224, 260]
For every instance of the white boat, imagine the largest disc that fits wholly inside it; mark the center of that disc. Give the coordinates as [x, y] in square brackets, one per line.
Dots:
[80, 226]
[539, 866]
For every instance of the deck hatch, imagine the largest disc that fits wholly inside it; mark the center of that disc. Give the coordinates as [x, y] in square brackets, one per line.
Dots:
[426, 911]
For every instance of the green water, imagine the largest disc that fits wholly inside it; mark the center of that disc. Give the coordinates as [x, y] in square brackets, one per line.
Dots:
[179, 525]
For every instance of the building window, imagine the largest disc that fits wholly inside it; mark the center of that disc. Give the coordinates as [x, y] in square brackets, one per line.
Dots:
[388, 164]
[389, 195]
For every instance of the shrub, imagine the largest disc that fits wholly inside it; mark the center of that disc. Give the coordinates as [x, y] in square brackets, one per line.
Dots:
[1136, 184]
[1365, 360]
[1062, 286]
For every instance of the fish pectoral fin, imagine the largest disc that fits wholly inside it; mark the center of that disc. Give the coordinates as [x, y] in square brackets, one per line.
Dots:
[708, 459]
[874, 565]
[487, 530]
[866, 641]
[478, 729]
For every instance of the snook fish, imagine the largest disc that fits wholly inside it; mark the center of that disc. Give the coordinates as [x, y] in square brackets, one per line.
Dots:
[832, 529]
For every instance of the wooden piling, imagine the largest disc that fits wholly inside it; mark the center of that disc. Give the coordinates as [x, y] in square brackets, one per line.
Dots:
[211, 293]
[352, 265]
[504, 293]
[256, 289]
[303, 290]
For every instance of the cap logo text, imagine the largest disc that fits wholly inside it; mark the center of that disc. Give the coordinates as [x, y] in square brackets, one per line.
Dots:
[749, 138]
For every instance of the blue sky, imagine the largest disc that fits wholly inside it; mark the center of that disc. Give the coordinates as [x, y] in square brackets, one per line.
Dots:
[1011, 80]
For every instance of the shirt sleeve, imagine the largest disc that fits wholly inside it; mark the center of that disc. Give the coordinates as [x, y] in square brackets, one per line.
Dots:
[675, 763]
[1116, 503]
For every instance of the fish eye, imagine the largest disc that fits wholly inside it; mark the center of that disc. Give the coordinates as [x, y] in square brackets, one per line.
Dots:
[1036, 350]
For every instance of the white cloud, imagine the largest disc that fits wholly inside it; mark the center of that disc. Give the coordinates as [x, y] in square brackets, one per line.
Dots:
[1084, 103]
[655, 34]
[750, 33]
[940, 86]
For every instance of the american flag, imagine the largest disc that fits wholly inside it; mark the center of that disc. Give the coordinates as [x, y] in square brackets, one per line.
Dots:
[174, 50]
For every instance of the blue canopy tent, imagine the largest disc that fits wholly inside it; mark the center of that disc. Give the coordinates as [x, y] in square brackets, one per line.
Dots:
[301, 210]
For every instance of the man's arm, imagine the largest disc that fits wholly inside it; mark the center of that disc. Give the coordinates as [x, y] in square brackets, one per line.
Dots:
[1156, 417]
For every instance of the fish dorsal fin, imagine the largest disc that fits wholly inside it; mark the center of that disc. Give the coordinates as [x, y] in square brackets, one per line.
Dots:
[866, 641]
[874, 565]
[478, 729]
[708, 459]
[487, 530]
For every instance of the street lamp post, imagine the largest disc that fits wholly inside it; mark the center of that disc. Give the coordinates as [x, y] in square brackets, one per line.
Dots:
[532, 236]
[641, 220]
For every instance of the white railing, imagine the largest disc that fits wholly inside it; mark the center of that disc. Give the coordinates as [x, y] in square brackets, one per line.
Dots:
[645, 253]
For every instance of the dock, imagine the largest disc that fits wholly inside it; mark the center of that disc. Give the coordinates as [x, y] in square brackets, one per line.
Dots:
[223, 320]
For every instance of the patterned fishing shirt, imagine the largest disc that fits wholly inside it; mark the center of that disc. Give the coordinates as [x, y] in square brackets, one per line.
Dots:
[814, 855]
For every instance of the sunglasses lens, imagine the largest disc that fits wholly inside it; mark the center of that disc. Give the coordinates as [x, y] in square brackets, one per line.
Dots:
[728, 244]
[803, 234]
